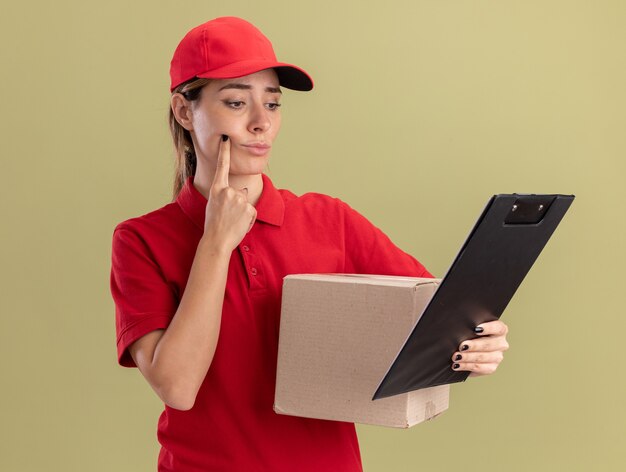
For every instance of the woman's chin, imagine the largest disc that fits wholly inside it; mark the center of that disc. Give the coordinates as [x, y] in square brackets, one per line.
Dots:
[250, 166]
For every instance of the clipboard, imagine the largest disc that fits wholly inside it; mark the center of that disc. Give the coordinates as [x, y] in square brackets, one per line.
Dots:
[498, 253]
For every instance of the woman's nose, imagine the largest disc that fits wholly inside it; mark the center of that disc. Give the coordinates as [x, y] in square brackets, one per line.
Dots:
[259, 119]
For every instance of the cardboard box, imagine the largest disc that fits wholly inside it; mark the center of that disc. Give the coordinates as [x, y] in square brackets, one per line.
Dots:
[339, 333]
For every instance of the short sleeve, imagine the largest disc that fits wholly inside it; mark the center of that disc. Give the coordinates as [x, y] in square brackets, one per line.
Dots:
[144, 301]
[370, 251]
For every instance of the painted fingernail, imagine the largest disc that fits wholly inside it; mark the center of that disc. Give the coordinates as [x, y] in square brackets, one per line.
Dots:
[456, 366]
[224, 137]
[478, 329]
[464, 347]
[458, 357]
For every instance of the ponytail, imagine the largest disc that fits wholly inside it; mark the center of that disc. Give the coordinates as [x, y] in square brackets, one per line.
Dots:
[185, 154]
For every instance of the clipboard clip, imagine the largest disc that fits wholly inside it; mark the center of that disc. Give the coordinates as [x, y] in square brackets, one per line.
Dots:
[528, 209]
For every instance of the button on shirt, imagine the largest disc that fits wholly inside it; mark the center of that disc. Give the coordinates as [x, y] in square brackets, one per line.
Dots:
[232, 425]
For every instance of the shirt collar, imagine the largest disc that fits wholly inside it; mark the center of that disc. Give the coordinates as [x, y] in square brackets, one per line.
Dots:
[270, 207]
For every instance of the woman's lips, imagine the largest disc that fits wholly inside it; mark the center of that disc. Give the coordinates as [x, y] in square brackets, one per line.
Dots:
[258, 149]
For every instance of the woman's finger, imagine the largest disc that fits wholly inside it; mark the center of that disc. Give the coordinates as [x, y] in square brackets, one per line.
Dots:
[492, 328]
[475, 368]
[252, 220]
[490, 357]
[222, 167]
[489, 343]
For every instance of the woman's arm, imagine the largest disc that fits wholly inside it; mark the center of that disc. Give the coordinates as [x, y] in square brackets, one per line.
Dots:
[175, 360]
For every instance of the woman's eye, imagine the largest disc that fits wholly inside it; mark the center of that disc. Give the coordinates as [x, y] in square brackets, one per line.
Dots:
[236, 104]
[273, 105]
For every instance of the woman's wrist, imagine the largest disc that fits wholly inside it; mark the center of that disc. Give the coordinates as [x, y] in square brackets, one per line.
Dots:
[211, 245]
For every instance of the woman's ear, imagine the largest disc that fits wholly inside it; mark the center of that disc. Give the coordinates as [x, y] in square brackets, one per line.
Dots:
[181, 107]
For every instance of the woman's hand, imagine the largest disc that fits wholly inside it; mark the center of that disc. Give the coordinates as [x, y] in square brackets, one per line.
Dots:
[229, 216]
[482, 355]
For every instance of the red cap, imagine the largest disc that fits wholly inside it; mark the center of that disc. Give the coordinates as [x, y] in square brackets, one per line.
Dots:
[229, 47]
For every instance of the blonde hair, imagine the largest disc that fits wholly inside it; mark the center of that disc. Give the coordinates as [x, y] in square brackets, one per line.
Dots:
[185, 154]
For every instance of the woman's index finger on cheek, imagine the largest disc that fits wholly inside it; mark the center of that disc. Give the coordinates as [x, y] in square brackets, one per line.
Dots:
[222, 168]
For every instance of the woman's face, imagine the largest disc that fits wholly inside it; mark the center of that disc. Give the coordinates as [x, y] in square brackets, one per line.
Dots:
[247, 110]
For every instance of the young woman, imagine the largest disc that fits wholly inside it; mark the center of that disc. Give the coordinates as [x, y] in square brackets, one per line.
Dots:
[197, 283]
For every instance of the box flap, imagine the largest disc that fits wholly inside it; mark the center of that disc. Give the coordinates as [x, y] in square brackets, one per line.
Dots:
[373, 279]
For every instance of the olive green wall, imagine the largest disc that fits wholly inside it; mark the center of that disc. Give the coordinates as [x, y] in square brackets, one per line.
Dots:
[421, 111]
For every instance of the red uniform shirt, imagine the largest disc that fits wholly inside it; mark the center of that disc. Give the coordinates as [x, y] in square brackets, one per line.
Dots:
[232, 425]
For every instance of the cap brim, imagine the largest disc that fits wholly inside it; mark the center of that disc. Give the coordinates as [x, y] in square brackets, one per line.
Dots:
[294, 78]
[289, 76]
